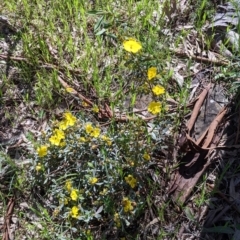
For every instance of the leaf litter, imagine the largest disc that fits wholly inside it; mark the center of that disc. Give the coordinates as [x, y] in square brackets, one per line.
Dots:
[200, 142]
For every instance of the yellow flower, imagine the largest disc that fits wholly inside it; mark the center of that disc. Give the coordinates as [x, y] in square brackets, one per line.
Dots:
[104, 191]
[85, 104]
[93, 180]
[95, 109]
[63, 125]
[131, 163]
[38, 167]
[131, 180]
[74, 194]
[65, 201]
[74, 212]
[42, 151]
[127, 205]
[107, 140]
[95, 132]
[54, 140]
[69, 89]
[68, 185]
[116, 219]
[88, 128]
[60, 133]
[146, 156]
[56, 212]
[152, 73]
[158, 90]
[82, 139]
[89, 235]
[57, 137]
[132, 45]
[69, 118]
[154, 107]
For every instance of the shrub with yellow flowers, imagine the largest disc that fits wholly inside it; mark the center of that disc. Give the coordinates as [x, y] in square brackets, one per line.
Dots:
[90, 176]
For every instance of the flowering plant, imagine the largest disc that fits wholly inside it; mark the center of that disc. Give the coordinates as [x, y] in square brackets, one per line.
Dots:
[86, 175]
[133, 46]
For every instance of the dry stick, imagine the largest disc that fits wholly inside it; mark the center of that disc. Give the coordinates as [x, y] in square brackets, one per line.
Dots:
[45, 65]
[74, 92]
[6, 227]
[201, 59]
[197, 107]
[107, 113]
[196, 145]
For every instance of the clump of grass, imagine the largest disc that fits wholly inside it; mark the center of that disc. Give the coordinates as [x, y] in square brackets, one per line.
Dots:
[84, 44]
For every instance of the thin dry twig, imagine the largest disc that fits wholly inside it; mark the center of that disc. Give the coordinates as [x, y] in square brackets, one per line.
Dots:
[7, 218]
[201, 59]
[44, 64]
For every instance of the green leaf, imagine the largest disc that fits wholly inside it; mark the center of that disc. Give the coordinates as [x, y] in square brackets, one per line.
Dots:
[101, 32]
[98, 24]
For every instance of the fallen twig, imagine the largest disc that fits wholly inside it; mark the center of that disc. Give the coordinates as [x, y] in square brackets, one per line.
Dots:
[201, 59]
[7, 218]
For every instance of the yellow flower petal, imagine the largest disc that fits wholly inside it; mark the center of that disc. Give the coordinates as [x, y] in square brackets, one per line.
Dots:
[38, 167]
[152, 73]
[74, 194]
[69, 89]
[95, 132]
[95, 109]
[88, 128]
[132, 45]
[82, 139]
[69, 119]
[158, 90]
[107, 140]
[146, 156]
[63, 125]
[56, 138]
[74, 213]
[131, 180]
[68, 185]
[117, 220]
[93, 180]
[85, 104]
[154, 107]
[42, 151]
[127, 205]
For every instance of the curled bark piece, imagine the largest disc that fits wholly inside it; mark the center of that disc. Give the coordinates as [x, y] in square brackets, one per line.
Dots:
[196, 160]
[213, 126]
